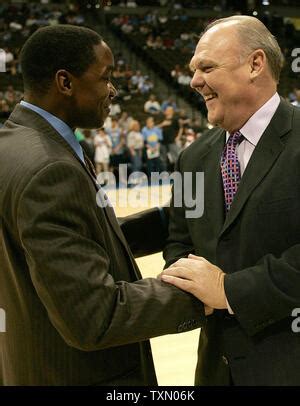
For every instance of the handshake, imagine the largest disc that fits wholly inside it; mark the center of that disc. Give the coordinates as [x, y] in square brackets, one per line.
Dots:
[199, 277]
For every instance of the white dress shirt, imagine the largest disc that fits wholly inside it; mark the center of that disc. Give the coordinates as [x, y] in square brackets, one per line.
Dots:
[254, 129]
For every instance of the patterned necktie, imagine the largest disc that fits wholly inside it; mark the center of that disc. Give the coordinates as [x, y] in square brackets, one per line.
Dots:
[230, 168]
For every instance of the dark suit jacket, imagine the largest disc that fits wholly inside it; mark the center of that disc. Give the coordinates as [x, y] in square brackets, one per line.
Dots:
[154, 222]
[258, 246]
[70, 287]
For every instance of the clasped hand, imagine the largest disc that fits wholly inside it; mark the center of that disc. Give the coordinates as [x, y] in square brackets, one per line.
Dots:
[200, 277]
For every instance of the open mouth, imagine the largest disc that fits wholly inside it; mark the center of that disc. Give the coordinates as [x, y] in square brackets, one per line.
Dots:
[210, 97]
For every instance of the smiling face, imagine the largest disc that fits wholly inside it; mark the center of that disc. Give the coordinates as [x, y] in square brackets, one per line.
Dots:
[223, 77]
[92, 92]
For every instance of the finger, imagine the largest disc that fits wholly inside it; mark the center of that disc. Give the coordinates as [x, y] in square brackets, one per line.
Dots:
[183, 284]
[180, 272]
[208, 310]
[179, 262]
[186, 262]
[192, 256]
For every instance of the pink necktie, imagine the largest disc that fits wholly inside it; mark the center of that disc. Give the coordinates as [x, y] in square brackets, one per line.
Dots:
[230, 168]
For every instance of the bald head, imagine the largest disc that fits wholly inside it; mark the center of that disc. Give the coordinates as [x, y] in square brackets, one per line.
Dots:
[251, 34]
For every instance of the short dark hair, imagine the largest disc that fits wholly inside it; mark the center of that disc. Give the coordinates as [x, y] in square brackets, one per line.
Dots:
[56, 47]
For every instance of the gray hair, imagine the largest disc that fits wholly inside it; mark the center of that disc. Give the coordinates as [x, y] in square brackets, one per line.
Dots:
[253, 34]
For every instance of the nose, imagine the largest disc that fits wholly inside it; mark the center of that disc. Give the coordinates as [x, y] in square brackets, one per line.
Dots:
[197, 81]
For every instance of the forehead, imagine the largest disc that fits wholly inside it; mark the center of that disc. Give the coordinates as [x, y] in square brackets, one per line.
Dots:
[217, 43]
[104, 56]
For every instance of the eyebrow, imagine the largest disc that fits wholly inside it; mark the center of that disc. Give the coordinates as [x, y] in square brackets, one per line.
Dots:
[200, 64]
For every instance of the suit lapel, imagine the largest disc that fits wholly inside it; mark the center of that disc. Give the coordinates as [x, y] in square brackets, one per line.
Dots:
[103, 202]
[213, 188]
[111, 218]
[213, 182]
[263, 158]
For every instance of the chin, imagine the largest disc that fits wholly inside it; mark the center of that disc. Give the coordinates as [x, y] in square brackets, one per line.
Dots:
[212, 120]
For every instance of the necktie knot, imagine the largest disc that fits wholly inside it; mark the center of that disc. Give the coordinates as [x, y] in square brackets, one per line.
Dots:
[235, 138]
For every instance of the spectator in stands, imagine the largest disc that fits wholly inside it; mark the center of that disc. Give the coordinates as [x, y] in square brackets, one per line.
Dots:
[125, 122]
[135, 144]
[152, 137]
[170, 102]
[296, 102]
[115, 108]
[152, 106]
[137, 79]
[184, 78]
[176, 72]
[145, 86]
[183, 118]
[4, 107]
[118, 150]
[169, 149]
[186, 136]
[103, 145]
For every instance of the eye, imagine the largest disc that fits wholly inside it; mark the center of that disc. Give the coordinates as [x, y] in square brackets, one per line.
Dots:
[207, 69]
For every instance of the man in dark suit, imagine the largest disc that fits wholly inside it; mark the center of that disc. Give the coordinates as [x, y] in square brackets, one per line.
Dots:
[247, 242]
[77, 310]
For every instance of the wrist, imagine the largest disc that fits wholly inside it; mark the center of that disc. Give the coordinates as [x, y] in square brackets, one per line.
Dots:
[223, 301]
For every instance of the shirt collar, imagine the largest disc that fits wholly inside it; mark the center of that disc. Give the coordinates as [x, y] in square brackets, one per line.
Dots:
[60, 126]
[259, 121]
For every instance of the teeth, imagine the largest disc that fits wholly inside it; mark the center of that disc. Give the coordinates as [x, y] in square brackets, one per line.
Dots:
[209, 97]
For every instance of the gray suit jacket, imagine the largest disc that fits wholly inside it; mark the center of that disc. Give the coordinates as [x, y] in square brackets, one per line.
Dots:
[258, 246]
[77, 311]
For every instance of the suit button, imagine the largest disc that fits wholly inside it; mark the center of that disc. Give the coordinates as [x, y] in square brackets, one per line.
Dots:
[225, 360]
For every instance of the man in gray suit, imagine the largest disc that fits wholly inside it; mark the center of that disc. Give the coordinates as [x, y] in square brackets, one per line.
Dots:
[247, 243]
[77, 310]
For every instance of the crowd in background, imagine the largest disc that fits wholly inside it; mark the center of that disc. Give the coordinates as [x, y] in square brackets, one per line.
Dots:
[149, 146]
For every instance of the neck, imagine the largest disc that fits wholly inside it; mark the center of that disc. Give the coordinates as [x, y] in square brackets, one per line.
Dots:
[258, 100]
[49, 104]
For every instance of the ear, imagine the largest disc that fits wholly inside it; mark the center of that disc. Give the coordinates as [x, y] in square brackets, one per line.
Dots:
[63, 80]
[257, 63]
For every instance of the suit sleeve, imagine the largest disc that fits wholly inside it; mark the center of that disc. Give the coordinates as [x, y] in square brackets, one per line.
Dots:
[179, 243]
[266, 293]
[71, 269]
